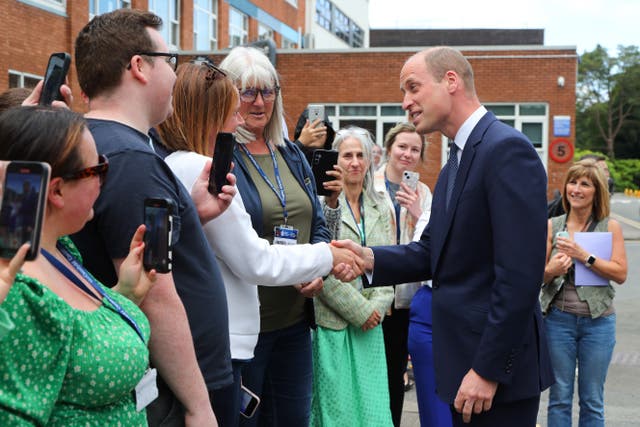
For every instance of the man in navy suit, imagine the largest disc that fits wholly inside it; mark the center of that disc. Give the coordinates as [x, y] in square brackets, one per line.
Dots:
[484, 249]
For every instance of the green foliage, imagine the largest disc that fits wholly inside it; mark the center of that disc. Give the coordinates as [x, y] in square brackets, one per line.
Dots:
[625, 172]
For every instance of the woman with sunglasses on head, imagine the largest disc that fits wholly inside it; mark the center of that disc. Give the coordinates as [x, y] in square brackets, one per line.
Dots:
[350, 370]
[77, 349]
[580, 318]
[208, 101]
[278, 191]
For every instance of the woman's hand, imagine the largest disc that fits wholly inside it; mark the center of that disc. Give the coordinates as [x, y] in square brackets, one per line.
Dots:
[335, 186]
[558, 265]
[410, 200]
[133, 281]
[372, 321]
[313, 135]
[208, 205]
[65, 90]
[310, 289]
[571, 248]
[9, 268]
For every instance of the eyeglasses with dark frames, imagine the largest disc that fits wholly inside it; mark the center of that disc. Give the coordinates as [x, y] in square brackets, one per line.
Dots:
[100, 170]
[170, 58]
[250, 95]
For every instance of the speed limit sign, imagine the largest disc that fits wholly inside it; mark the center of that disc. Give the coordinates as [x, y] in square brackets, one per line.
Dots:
[561, 150]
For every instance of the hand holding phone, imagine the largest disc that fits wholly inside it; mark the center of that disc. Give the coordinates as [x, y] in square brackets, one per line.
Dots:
[158, 221]
[24, 199]
[221, 166]
[56, 73]
[411, 179]
[321, 162]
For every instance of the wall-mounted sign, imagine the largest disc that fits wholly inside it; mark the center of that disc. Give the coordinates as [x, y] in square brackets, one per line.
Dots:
[561, 125]
[561, 150]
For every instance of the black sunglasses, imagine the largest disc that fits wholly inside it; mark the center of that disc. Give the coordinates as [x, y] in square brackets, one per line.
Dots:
[100, 170]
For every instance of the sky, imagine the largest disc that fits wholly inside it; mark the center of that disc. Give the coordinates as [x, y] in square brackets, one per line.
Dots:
[580, 23]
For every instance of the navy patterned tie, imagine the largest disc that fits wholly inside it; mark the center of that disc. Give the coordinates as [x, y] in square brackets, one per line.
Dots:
[452, 170]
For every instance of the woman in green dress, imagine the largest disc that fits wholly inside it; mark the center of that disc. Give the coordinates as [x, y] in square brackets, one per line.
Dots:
[350, 372]
[73, 350]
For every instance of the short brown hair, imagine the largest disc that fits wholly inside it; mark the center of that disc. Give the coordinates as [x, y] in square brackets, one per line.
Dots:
[588, 169]
[13, 97]
[441, 59]
[106, 44]
[203, 99]
[391, 135]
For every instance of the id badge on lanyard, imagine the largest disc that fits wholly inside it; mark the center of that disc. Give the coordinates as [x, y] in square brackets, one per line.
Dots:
[285, 235]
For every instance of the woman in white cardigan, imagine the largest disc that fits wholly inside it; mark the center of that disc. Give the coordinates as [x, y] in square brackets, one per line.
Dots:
[205, 102]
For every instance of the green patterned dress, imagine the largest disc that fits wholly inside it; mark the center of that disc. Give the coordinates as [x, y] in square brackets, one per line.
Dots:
[60, 366]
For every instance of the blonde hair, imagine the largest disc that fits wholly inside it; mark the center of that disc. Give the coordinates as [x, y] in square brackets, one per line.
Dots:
[405, 127]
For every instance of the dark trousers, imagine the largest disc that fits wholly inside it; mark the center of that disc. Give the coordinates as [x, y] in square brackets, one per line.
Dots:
[396, 331]
[521, 413]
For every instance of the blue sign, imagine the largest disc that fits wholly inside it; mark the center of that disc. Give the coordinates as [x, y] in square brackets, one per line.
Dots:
[561, 125]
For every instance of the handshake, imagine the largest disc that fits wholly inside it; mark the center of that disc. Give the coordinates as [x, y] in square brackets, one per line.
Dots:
[350, 260]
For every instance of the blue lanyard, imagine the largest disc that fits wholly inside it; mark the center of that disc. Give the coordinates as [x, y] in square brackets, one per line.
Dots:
[89, 278]
[396, 207]
[363, 236]
[280, 194]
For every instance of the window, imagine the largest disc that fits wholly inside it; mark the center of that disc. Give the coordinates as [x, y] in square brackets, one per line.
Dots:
[18, 79]
[168, 10]
[332, 19]
[376, 118]
[58, 7]
[264, 32]
[98, 7]
[238, 28]
[205, 24]
[293, 3]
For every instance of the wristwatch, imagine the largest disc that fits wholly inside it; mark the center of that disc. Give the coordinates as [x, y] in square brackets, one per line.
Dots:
[590, 260]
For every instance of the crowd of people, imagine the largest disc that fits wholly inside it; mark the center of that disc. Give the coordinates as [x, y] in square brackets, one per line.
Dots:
[312, 305]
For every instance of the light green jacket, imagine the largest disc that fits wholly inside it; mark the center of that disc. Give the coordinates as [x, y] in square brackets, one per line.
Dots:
[342, 303]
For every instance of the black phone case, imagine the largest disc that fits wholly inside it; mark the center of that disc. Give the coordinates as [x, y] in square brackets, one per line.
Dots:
[222, 157]
[321, 162]
[21, 208]
[157, 254]
[57, 70]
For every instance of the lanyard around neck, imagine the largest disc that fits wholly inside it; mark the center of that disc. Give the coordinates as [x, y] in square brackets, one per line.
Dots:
[92, 281]
[280, 194]
[360, 225]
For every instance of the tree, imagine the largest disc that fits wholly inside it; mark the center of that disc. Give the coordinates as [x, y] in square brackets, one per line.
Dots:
[608, 93]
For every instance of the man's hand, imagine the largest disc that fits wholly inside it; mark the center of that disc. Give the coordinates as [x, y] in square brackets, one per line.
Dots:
[335, 186]
[34, 97]
[133, 281]
[474, 395]
[346, 265]
[208, 205]
[310, 289]
[364, 253]
[372, 321]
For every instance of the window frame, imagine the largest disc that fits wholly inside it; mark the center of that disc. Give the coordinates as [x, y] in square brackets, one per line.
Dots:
[212, 21]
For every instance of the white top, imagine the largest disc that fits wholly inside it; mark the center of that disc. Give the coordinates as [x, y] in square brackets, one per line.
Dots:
[246, 260]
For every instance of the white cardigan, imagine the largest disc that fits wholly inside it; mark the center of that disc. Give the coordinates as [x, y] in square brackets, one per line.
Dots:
[246, 260]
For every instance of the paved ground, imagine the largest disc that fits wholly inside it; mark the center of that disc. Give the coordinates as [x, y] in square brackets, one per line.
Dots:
[622, 389]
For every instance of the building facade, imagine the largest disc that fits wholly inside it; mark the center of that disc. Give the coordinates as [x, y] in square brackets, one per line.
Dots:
[531, 87]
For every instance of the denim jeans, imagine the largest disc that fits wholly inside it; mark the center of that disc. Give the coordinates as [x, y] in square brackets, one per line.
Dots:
[281, 374]
[589, 342]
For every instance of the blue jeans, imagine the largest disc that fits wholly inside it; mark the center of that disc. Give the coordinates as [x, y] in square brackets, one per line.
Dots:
[589, 342]
[281, 374]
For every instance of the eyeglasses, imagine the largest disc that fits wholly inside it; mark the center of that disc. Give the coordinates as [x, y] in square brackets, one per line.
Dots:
[100, 170]
[170, 58]
[268, 94]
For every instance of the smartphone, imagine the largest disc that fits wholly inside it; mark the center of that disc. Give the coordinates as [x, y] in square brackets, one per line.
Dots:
[24, 199]
[222, 156]
[321, 162]
[315, 111]
[158, 220]
[411, 179]
[54, 77]
[248, 402]
[564, 234]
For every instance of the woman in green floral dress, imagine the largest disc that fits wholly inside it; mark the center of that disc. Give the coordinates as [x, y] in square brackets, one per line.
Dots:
[69, 355]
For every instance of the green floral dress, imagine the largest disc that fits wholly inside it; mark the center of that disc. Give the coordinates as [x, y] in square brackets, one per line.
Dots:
[60, 366]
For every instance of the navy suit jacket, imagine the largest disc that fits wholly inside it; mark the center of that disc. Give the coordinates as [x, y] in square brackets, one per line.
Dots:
[486, 256]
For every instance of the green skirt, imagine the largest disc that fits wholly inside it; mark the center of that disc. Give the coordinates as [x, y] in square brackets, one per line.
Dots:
[350, 386]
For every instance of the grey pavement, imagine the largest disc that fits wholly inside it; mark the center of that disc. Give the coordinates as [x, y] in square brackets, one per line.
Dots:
[622, 389]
